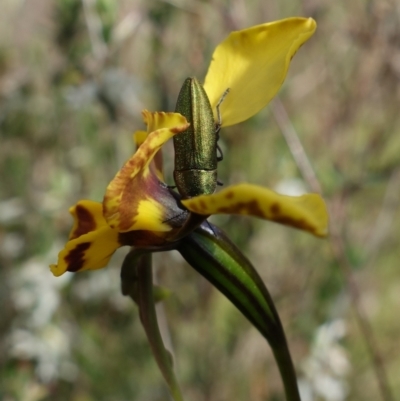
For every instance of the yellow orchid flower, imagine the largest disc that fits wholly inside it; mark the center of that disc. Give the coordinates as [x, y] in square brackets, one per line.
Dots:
[140, 210]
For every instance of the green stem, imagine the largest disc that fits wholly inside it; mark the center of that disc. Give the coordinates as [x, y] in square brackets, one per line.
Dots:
[286, 369]
[149, 320]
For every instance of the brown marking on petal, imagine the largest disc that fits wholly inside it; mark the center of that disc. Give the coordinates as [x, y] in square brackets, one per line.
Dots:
[135, 183]
[76, 257]
[86, 222]
[300, 223]
[194, 207]
[132, 190]
[251, 208]
[129, 191]
[141, 239]
[202, 205]
[275, 209]
[229, 195]
[148, 151]
[129, 203]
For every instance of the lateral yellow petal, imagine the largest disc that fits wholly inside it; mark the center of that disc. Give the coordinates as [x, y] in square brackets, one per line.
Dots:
[87, 252]
[307, 212]
[253, 64]
[136, 188]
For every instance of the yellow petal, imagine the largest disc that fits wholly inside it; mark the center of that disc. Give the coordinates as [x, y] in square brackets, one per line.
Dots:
[306, 212]
[91, 241]
[253, 64]
[135, 199]
[88, 252]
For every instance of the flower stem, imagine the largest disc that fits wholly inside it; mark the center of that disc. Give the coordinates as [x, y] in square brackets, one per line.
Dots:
[149, 321]
[286, 369]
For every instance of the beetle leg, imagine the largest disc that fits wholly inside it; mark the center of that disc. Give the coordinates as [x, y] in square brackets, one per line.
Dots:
[218, 126]
[219, 122]
[220, 156]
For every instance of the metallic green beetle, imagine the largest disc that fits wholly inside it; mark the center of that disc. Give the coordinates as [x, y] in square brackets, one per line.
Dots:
[196, 148]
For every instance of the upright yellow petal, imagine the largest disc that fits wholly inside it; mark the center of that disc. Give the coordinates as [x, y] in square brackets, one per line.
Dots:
[135, 199]
[253, 64]
[306, 212]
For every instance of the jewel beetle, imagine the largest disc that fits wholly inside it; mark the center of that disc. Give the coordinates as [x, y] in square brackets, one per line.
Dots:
[196, 148]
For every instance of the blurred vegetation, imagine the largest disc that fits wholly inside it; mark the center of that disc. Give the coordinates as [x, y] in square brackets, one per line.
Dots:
[74, 77]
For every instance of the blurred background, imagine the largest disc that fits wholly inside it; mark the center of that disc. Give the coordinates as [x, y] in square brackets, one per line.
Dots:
[74, 77]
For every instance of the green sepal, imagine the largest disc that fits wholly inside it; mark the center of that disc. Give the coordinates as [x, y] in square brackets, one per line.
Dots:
[209, 251]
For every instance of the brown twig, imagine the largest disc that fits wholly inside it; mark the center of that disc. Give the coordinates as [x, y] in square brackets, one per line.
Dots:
[365, 326]
[295, 146]
[338, 248]
[384, 221]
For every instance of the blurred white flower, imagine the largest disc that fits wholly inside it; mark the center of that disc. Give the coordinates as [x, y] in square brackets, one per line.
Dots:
[36, 292]
[36, 296]
[326, 368]
[48, 347]
[80, 96]
[105, 285]
[12, 245]
[11, 209]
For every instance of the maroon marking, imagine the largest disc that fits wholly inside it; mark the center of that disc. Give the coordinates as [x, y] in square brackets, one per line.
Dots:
[76, 257]
[275, 209]
[229, 195]
[86, 222]
[251, 207]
